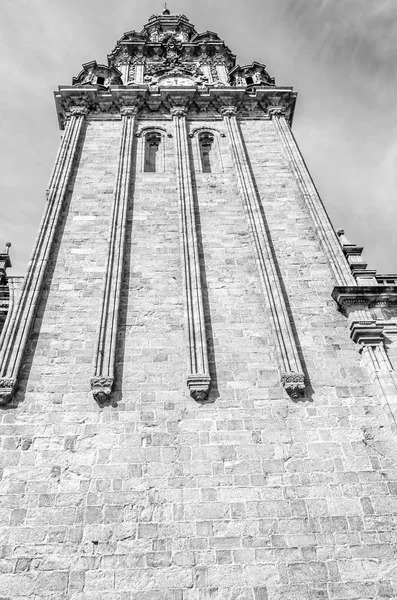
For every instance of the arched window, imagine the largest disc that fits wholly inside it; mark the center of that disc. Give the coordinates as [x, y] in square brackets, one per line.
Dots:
[152, 151]
[206, 142]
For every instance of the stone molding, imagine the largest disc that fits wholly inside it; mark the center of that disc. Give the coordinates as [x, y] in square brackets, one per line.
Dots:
[197, 130]
[151, 128]
[105, 356]
[159, 101]
[366, 295]
[13, 343]
[320, 219]
[198, 379]
[292, 377]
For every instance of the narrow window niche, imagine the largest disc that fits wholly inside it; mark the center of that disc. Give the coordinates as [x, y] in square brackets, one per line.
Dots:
[153, 162]
[206, 145]
[207, 151]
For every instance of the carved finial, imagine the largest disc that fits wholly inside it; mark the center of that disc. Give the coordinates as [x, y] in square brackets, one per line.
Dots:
[166, 10]
[342, 238]
[5, 263]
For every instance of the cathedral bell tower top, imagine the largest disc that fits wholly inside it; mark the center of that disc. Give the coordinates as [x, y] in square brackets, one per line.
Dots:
[167, 54]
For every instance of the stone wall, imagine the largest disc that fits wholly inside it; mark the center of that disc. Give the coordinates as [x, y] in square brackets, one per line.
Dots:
[249, 497]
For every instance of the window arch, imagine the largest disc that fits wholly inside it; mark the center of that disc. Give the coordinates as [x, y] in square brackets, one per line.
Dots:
[152, 154]
[206, 146]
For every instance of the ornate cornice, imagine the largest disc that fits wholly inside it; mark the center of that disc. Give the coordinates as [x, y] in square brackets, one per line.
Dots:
[199, 102]
[345, 296]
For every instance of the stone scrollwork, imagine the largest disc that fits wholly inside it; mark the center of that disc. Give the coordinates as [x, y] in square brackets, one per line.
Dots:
[178, 111]
[128, 111]
[228, 111]
[294, 384]
[276, 111]
[78, 111]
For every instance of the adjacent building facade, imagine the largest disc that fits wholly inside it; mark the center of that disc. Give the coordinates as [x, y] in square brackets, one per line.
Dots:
[197, 384]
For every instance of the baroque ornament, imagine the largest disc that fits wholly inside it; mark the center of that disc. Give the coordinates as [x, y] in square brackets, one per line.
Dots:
[101, 388]
[7, 389]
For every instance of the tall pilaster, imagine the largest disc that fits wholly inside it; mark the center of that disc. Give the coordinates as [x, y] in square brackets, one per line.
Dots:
[18, 330]
[198, 379]
[323, 227]
[291, 372]
[104, 361]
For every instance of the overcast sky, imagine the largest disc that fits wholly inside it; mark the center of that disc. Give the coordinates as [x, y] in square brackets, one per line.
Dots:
[340, 56]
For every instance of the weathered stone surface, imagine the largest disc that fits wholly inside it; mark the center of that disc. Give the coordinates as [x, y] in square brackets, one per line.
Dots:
[249, 496]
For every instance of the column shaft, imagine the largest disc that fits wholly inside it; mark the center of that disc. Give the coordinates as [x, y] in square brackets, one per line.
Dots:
[18, 330]
[321, 221]
[198, 379]
[292, 376]
[104, 361]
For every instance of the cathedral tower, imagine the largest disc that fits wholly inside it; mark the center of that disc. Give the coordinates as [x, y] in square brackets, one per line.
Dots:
[197, 380]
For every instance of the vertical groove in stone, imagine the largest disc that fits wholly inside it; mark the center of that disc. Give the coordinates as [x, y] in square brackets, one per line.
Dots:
[292, 376]
[18, 330]
[198, 379]
[104, 361]
[323, 227]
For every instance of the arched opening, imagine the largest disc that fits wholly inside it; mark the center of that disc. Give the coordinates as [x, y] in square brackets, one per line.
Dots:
[152, 147]
[206, 143]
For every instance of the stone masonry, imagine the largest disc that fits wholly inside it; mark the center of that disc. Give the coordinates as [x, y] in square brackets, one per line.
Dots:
[197, 387]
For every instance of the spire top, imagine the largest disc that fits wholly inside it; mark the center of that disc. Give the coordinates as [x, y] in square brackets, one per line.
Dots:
[166, 10]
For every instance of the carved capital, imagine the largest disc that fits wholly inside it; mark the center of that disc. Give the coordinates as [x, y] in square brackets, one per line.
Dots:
[7, 389]
[199, 386]
[276, 111]
[102, 388]
[128, 111]
[78, 111]
[228, 111]
[294, 384]
[178, 111]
